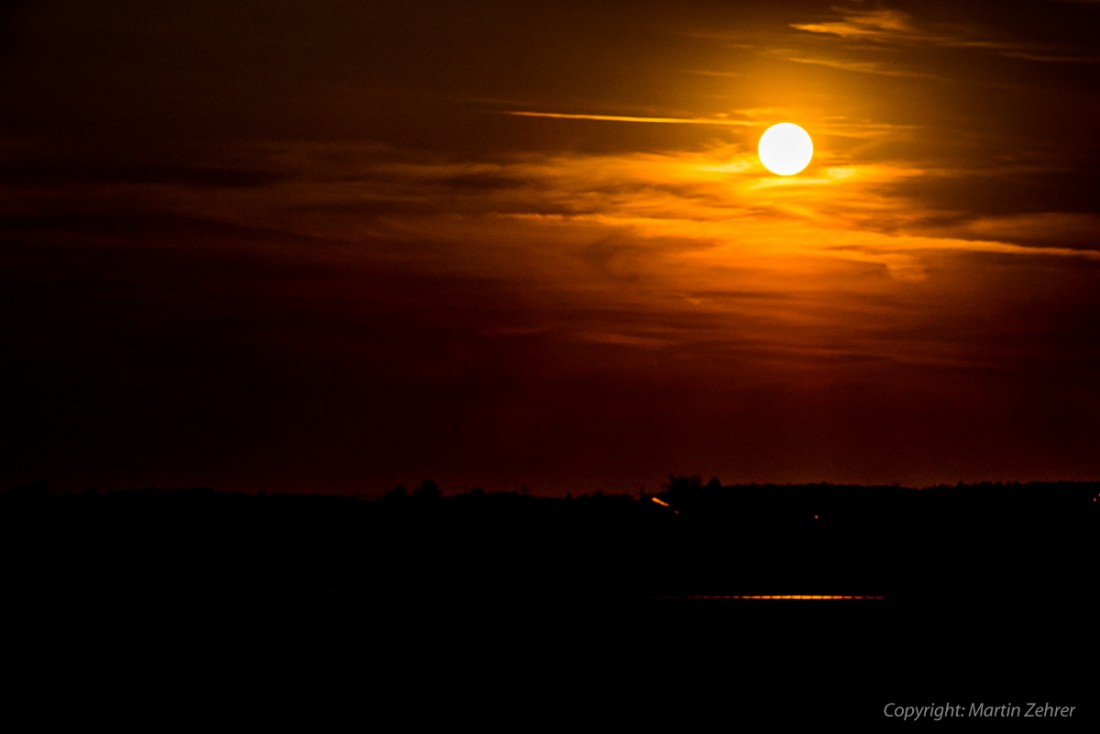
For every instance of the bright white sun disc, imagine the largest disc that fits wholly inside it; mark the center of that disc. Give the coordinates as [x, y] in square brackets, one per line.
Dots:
[785, 149]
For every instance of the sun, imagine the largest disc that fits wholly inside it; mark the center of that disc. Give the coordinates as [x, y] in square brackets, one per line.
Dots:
[785, 149]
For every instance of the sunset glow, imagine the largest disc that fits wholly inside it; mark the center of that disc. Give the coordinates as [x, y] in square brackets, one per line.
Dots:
[356, 247]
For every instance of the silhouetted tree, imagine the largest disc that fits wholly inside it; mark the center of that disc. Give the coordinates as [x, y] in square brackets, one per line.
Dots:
[682, 488]
[427, 490]
[397, 494]
[684, 491]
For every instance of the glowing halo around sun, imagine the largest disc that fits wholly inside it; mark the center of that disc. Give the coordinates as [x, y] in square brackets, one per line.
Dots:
[785, 149]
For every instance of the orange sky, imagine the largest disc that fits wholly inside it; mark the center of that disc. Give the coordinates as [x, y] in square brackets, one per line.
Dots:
[344, 245]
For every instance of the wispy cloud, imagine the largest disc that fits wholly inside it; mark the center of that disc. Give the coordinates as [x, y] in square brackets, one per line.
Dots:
[1052, 57]
[1060, 232]
[862, 67]
[894, 27]
[719, 121]
[714, 199]
[878, 25]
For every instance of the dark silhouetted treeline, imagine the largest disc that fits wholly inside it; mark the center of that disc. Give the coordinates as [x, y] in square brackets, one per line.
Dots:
[971, 542]
[966, 589]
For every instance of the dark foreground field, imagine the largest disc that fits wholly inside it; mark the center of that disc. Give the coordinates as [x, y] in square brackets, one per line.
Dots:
[510, 610]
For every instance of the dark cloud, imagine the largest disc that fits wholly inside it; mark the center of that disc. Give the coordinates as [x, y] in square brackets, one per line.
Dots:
[70, 172]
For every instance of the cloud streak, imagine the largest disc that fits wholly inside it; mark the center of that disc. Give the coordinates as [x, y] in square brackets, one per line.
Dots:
[895, 27]
[720, 122]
